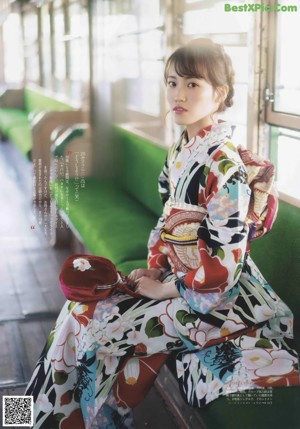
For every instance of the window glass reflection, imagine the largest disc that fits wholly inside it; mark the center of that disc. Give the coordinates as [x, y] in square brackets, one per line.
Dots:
[287, 84]
[288, 162]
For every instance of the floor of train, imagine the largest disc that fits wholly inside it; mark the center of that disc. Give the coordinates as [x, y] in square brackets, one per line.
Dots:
[29, 291]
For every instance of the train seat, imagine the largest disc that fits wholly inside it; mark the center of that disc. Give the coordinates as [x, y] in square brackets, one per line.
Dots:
[109, 222]
[22, 109]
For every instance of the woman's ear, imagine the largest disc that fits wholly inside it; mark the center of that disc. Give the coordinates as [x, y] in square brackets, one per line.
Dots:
[221, 94]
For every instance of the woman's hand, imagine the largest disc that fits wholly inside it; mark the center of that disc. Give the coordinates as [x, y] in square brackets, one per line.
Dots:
[152, 273]
[154, 289]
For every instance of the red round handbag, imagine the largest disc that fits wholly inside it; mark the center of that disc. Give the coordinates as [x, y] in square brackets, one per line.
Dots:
[85, 278]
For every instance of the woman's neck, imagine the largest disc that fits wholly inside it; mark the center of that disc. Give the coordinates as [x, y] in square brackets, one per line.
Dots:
[194, 129]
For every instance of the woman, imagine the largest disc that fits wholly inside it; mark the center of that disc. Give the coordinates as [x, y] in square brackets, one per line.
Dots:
[202, 295]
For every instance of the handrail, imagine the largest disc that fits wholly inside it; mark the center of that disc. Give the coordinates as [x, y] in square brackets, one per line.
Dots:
[70, 133]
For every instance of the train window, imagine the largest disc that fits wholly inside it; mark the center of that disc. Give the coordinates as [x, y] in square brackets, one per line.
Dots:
[282, 101]
[283, 92]
[59, 47]
[285, 154]
[13, 52]
[287, 71]
[233, 31]
[136, 50]
[47, 48]
[78, 53]
[31, 49]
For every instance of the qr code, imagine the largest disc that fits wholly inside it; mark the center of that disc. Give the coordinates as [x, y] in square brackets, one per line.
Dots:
[17, 411]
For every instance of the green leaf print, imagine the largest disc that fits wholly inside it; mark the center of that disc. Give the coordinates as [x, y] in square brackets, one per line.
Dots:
[204, 176]
[49, 341]
[264, 343]
[153, 328]
[222, 157]
[231, 146]
[218, 251]
[71, 305]
[59, 416]
[184, 317]
[60, 377]
[225, 165]
[238, 270]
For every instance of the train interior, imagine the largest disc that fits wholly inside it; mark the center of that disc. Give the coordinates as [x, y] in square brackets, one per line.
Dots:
[85, 127]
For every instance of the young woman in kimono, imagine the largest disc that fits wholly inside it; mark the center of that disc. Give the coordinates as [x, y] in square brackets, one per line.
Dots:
[201, 295]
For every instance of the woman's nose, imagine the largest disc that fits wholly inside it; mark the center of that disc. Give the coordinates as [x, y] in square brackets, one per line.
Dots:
[180, 96]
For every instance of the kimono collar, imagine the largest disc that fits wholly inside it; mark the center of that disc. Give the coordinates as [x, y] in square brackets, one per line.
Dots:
[211, 134]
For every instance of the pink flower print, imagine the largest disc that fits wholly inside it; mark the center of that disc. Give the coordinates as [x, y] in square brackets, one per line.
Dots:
[213, 389]
[110, 355]
[115, 330]
[268, 364]
[43, 403]
[133, 337]
[280, 363]
[231, 326]
[198, 337]
[64, 354]
[263, 312]
[111, 364]
[256, 358]
[201, 389]
[132, 371]
[202, 333]
[64, 358]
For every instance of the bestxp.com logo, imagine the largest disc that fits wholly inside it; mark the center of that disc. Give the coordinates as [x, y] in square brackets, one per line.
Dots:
[260, 7]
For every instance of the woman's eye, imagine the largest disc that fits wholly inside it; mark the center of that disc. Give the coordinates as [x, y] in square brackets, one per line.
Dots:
[192, 85]
[172, 84]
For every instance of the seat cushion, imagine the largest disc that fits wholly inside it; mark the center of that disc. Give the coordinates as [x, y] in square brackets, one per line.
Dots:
[110, 222]
[281, 412]
[37, 100]
[278, 257]
[127, 267]
[21, 136]
[10, 118]
[140, 164]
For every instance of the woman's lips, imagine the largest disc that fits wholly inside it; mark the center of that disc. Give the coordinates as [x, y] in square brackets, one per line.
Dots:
[179, 110]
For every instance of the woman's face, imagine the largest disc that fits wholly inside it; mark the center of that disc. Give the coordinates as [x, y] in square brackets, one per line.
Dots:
[192, 101]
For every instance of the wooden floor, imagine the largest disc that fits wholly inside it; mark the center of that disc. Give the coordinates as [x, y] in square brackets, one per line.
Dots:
[30, 297]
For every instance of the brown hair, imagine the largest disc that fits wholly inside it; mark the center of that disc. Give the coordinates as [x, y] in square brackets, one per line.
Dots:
[204, 59]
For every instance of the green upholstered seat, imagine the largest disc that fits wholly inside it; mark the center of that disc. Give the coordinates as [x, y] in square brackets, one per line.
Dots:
[36, 100]
[15, 123]
[128, 266]
[22, 138]
[10, 118]
[280, 412]
[115, 216]
[140, 163]
[278, 257]
[110, 222]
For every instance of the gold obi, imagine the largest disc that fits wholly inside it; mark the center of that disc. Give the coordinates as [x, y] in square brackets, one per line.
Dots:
[182, 222]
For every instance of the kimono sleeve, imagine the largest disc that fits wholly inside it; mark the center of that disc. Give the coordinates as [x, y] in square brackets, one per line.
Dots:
[157, 250]
[222, 235]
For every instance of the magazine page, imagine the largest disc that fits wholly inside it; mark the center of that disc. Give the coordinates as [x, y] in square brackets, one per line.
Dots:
[149, 214]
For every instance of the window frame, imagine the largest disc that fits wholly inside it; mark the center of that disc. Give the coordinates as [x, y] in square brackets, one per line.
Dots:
[273, 117]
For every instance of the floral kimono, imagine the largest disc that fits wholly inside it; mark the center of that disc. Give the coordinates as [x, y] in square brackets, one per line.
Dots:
[230, 329]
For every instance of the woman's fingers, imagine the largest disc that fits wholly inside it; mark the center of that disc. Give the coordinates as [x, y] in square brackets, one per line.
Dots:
[140, 273]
